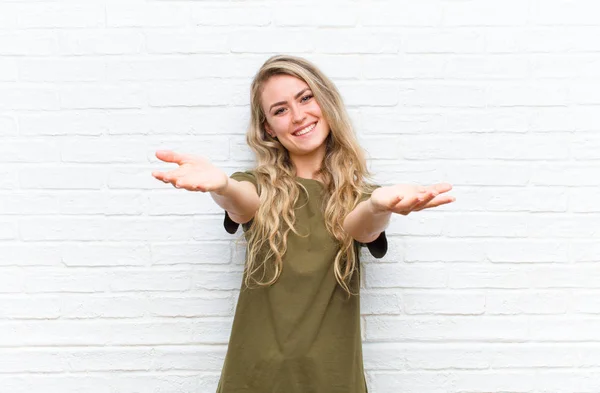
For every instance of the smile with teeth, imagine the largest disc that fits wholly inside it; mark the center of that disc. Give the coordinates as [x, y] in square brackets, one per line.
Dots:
[305, 130]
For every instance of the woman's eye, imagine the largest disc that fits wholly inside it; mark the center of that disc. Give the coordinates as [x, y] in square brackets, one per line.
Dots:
[304, 99]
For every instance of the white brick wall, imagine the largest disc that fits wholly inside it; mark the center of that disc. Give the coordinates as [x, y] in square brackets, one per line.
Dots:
[111, 281]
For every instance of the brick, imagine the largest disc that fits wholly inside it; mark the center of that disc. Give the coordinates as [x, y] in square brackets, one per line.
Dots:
[104, 150]
[8, 230]
[62, 177]
[370, 94]
[558, 328]
[538, 302]
[105, 254]
[197, 93]
[188, 357]
[442, 40]
[30, 151]
[50, 229]
[565, 174]
[462, 276]
[9, 70]
[335, 15]
[179, 121]
[398, 276]
[229, 279]
[191, 253]
[448, 328]
[373, 302]
[429, 302]
[29, 98]
[102, 97]
[28, 43]
[149, 229]
[510, 13]
[561, 12]
[26, 203]
[401, 13]
[352, 41]
[144, 14]
[411, 66]
[56, 15]
[107, 332]
[191, 306]
[8, 179]
[101, 42]
[23, 254]
[64, 70]
[121, 381]
[560, 276]
[62, 123]
[265, 41]
[8, 125]
[237, 14]
[102, 203]
[193, 41]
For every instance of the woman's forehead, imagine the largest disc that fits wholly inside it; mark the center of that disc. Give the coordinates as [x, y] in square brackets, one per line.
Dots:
[282, 86]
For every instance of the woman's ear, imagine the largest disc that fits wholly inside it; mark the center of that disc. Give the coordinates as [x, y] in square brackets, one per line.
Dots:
[269, 130]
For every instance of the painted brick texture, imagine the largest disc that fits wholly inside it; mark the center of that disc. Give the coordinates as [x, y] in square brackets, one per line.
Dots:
[111, 281]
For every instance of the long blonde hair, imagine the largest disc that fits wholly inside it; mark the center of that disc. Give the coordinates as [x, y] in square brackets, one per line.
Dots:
[343, 172]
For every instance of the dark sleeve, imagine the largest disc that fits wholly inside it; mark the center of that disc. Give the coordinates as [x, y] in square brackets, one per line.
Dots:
[230, 225]
[378, 247]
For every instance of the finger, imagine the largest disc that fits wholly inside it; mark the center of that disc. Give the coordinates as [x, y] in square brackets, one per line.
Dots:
[405, 205]
[171, 156]
[183, 183]
[178, 173]
[442, 187]
[439, 201]
[391, 203]
[425, 196]
[397, 199]
[160, 176]
[401, 202]
[421, 201]
[417, 188]
[430, 194]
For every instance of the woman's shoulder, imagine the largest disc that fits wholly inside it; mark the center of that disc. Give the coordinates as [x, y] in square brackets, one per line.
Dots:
[246, 175]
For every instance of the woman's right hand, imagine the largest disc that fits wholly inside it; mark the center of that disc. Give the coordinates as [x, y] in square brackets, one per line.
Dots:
[193, 174]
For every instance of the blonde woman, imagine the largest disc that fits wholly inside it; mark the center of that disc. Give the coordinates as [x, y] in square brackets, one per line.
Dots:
[306, 209]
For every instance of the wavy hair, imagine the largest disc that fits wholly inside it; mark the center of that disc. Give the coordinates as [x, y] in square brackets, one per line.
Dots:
[343, 172]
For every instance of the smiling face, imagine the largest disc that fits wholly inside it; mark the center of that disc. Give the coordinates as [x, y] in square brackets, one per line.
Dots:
[294, 117]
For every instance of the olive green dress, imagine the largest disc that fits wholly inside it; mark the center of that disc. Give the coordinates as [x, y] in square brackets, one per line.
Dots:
[300, 335]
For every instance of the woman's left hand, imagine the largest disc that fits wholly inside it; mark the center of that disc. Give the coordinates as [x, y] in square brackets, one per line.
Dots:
[406, 198]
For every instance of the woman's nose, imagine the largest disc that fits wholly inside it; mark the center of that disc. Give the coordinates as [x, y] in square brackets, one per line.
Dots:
[298, 116]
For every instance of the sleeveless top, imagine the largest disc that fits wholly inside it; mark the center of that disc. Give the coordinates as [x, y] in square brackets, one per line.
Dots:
[301, 334]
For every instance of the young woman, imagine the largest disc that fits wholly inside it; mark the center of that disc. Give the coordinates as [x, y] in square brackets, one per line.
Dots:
[306, 208]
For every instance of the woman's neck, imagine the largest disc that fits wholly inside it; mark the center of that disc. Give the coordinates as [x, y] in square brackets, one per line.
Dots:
[309, 164]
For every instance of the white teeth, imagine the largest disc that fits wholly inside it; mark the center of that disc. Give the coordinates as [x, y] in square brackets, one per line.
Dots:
[305, 130]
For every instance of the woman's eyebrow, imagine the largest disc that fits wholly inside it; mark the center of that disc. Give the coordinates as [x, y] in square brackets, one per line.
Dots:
[283, 102]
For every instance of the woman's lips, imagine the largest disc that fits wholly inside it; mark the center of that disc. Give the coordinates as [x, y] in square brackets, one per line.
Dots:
[311, 127]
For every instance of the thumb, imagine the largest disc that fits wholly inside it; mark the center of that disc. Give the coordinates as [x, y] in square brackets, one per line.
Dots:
[171, 156]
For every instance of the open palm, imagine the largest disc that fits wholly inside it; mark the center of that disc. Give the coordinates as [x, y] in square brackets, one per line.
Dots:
[194, 173]
[406, 198]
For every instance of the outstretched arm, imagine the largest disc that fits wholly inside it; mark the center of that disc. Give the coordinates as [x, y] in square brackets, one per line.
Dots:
[370, 217]
[239, 198]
